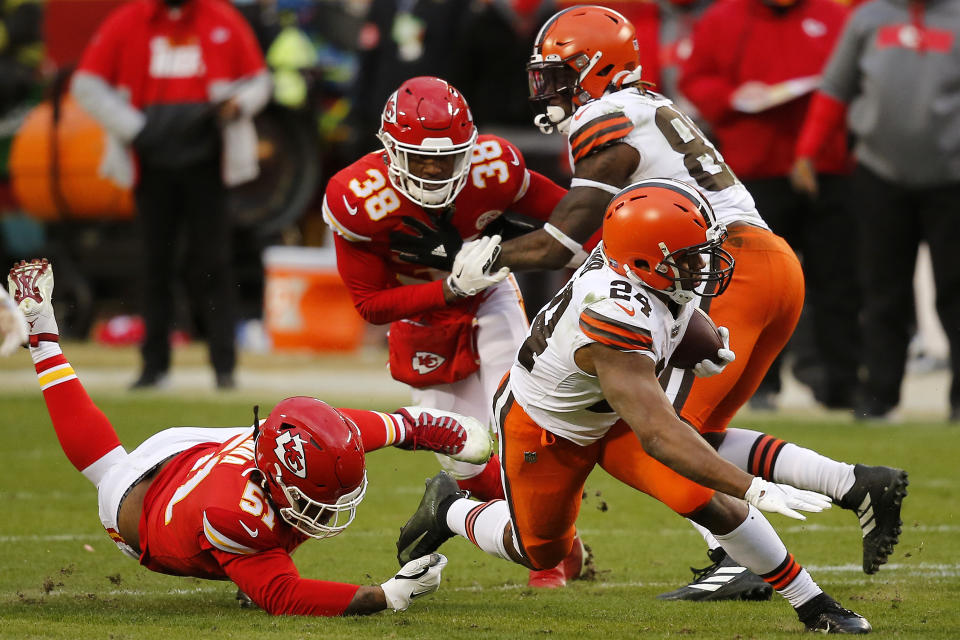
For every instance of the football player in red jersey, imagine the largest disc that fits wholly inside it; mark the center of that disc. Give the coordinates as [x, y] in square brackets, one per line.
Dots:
[454, 326]
[233, 503]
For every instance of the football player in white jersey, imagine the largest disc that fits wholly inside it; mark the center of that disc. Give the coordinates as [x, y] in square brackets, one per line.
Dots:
[585, 83]
[584, 392]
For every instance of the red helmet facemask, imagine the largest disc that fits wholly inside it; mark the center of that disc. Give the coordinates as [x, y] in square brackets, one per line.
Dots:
[428, 118]
[311, 457]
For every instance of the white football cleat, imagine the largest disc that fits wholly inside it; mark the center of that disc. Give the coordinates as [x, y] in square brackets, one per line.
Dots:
[452, 434]
[31, 287]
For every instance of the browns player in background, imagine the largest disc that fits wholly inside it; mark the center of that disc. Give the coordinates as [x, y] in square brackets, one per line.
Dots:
[233, 503]
[452, 335]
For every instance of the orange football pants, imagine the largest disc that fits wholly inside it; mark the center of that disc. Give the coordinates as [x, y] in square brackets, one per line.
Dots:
[761, 308]
[545, 474]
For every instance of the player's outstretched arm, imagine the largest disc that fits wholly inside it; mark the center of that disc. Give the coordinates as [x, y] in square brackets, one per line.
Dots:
[577, 216]
[271, 580]
[630, 385]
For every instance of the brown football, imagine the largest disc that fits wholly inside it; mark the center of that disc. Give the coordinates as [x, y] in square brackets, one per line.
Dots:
[701, 341]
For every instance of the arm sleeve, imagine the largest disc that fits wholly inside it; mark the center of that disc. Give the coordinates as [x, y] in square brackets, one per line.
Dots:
[824, 119]
[376, 293]
[272, 581]
[541, 197]
[701, 80]
[254, 93]
[107, 106]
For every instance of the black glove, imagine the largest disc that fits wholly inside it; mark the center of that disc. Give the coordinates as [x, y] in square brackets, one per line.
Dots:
[510, 225]
[430, 246]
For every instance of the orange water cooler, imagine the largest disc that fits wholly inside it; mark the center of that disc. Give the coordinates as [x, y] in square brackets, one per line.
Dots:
[306, 304]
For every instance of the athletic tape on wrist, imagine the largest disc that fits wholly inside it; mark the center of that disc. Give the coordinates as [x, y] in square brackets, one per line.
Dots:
[603, 186]
[579, 255]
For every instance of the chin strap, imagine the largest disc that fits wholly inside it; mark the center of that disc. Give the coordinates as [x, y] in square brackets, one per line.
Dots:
[555, 119]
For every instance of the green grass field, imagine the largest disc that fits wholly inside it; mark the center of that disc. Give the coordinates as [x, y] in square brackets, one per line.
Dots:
[61, 576]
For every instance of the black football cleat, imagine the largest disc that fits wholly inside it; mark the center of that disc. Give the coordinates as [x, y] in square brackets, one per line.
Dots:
[722, 580]
[876, 497]
[427, 528]
[245, 601]
[823, 614]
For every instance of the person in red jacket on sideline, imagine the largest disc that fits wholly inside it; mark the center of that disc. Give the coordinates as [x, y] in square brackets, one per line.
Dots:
[751, 73]
[177, 83]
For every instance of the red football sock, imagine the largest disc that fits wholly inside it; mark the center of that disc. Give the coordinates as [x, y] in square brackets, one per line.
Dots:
[85, 433]
[487, 485]
[377, 429]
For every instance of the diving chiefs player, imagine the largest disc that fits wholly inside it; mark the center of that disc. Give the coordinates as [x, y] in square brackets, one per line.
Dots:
[234, 503]
[455, 327]
[585, 83]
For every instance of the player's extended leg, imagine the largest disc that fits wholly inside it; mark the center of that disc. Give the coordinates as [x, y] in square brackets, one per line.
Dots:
[742, 530]
[534, 526]
[85, 434]
[874, 494]
[418, 428]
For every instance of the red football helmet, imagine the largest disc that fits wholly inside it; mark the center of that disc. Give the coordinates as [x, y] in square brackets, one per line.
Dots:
[427, 117]
[580, 53]
[311, 457]
[663, 234]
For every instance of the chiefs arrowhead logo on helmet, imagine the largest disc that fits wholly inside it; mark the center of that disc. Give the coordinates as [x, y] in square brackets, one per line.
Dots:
[424, 362]
[289, 451]
[390, 109]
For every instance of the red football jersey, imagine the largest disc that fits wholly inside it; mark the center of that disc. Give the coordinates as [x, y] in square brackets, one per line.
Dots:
[203, 516]
[362, 207]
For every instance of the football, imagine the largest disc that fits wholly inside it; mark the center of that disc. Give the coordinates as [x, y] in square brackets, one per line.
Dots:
[701, 341]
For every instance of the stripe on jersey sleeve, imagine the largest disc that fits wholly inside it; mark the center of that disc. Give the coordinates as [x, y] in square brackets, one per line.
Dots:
[598, 132]
[56, 375]
[613, 333]
[337, 226]
[222, 542]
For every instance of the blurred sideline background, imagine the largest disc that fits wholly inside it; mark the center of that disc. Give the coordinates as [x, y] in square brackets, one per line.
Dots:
[295, 313]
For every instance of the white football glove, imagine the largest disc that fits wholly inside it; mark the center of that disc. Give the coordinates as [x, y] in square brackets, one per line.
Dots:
[707, 367]
[416, 578]
[13, 326]
[470, 274]
[784, 499]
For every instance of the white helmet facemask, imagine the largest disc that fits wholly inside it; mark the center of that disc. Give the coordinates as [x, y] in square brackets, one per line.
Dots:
[428, 192]
[319, 519]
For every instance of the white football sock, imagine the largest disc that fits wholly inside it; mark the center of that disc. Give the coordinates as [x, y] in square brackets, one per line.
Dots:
[712, 542]
[756, 546]
[482, 523]
[793, 465]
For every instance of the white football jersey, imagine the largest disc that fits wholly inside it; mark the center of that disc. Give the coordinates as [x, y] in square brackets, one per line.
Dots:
[596, 305]
[670, 146]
